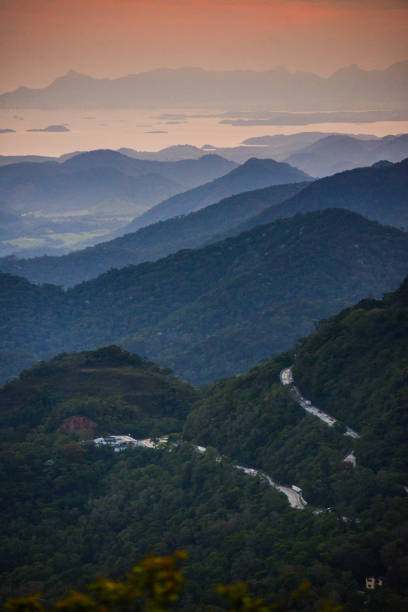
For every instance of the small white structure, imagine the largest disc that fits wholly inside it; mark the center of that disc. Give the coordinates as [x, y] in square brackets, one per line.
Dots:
[371, 582]
[350, 432]
[297, 489]
[286, 376]
[200, 449]
[351, 459]
[246, 470]
[118, 443]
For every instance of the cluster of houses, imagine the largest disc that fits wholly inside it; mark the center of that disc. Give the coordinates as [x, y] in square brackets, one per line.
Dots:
[120, 443]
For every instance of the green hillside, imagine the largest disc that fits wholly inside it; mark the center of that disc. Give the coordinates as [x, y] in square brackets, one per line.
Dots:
[109, 386]
[356, 364]
[353, 367]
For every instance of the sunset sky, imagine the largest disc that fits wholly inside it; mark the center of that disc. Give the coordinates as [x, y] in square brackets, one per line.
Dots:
[43, 39]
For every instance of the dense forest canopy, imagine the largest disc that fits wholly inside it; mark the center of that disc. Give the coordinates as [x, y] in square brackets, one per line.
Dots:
[74, 510]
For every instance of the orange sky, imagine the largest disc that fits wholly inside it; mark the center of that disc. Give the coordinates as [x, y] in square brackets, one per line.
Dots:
[42, 39]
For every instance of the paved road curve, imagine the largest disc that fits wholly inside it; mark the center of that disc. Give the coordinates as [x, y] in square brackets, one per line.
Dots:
[286, 377]
[294, 496]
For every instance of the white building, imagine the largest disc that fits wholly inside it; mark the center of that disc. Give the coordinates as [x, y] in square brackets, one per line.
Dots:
[117, 442]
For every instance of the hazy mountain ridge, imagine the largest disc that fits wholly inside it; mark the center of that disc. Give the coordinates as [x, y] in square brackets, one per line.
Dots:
[253, 174]
[277, 147]
[341, 152]
[90, 177]
[150, 242]
[348, 88]
[378, 192]
[189, 172]
[59, 207]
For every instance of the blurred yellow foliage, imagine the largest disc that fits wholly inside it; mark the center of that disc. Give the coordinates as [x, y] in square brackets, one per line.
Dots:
[154, 585]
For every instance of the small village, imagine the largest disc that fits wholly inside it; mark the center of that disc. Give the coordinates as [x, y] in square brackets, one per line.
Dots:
[122, 442]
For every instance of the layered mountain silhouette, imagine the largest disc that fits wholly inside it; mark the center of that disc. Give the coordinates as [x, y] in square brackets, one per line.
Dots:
[378, 192]
[317, 153]
[188, 172]
[151, 242]
[348, 88]
[277, 147]
[217, 310]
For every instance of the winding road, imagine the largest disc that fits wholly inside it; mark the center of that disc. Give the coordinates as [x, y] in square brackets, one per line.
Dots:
[286, 378]
[295, 498]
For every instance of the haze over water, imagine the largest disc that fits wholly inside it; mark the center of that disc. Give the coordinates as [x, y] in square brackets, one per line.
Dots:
[144, 130]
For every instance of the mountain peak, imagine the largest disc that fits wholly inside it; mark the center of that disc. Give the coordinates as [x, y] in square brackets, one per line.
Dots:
[72, 75]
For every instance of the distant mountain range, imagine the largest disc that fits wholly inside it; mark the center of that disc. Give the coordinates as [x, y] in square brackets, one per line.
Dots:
[91, 177]
[212, 311]
[316, 153]
[338, 152]
[6, 160]
[348, 88]
[276, 147]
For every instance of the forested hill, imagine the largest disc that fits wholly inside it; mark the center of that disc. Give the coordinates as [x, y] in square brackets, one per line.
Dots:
[378, 192]
[151, 242]
[94, 393]
[217, 310]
